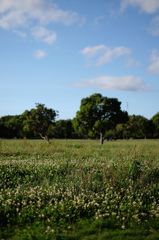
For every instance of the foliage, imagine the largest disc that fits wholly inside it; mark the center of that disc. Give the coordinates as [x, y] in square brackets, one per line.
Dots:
[10, 126]
[61, 129]
[73, 189]
[98, 114]
[136, 127]
[155, 120]
[39, 120]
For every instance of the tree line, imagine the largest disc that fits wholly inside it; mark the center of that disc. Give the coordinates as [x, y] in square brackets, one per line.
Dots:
[98, 117]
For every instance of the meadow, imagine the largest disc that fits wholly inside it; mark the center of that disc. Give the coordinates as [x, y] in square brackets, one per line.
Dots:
[79, 189]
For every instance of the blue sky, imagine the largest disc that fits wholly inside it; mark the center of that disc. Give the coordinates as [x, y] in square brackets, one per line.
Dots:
[58, 52]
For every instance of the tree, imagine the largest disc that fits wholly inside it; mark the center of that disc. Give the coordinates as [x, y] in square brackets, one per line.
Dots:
[27, 131]
[38, 120]
[144, 127]
[10, 126]
[136, 127]
[61, 129]
[98, 114]
[155, 120]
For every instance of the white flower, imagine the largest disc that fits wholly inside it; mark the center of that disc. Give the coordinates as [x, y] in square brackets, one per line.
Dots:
[113, 213]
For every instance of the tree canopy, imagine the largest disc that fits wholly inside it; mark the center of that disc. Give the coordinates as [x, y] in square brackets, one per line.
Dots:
[136, 127]
[155, 120]
[61, 129]
[39, 120]
[98, 114]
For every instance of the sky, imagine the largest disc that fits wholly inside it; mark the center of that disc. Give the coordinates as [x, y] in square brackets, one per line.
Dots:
[56, 52]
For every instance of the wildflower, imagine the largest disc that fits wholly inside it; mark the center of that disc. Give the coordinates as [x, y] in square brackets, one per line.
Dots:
[123, 227]
[113, 213]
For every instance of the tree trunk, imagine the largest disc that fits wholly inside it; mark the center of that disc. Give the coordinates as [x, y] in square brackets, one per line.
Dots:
[101, 138]
[45, 138]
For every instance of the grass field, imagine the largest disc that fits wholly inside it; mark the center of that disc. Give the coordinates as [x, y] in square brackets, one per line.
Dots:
[79, 189]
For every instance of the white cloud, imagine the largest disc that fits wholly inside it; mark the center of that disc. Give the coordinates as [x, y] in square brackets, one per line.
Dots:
[148, 6]
[102, 54]
[155, 26]
[154, 67]
[112, 54]
[12, 20]
[50, 38]
[98, 19]
[39, 54]
[92, 51]
[132, 63]
[18, 13]
[21, 16]
[20, 33]
[125, 83]
[46, 35]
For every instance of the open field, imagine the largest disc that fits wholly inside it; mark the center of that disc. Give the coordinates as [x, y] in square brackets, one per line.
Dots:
[79, 189]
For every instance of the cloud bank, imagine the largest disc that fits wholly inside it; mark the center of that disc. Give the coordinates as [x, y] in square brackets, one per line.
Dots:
[34, 16]
[124, 83]
[18, 13]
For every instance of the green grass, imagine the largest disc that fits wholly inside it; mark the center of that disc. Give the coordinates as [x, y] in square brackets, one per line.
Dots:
[79, 189]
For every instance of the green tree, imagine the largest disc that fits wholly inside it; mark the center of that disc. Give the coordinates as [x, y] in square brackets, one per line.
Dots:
[3, 128]
[136, 127]
[61, 129]
[144, 127]
[155, 120]
[38, 120]
[80, 129]
[10, 126]
[98, 114]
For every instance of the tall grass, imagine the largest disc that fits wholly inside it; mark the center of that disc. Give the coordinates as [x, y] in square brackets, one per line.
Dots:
[76, 189]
